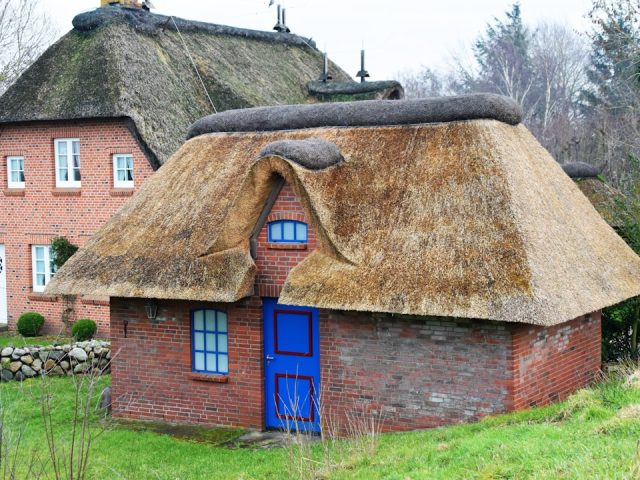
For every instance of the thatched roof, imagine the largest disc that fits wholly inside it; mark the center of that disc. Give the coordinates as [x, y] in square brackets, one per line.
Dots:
[120, 62]
[465, 219]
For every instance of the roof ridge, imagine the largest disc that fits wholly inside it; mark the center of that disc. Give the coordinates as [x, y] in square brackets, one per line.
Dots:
[363, 113]
[153, 23]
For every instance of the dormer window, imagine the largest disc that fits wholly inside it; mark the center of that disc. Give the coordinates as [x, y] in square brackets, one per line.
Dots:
[67, 162]
[288, 231]
[15, 172]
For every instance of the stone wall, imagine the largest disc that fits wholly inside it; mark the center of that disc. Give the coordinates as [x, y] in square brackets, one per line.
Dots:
[20, 363]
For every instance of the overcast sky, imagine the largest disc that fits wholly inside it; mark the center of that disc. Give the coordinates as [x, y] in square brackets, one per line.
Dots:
[398, 35]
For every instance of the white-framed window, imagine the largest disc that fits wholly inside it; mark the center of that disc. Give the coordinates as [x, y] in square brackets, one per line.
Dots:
[15, 172]
[42, 266]
[123, 170]
[67, 162]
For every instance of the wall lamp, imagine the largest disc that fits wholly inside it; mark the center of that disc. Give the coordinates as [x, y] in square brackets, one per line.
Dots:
[151, 309]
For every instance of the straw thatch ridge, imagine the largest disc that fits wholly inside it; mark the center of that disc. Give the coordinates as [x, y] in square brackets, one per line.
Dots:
[153, 24]
[116, 69]
[466, 219]
[312, 153]
[362, 113]
[581, 170]
[342, 91]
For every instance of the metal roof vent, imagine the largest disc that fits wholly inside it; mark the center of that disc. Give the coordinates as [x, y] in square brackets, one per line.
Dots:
[281, 25]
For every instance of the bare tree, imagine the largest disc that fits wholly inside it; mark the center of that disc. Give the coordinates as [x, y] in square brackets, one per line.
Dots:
[24, 33]
[426, 82]
[559, 60]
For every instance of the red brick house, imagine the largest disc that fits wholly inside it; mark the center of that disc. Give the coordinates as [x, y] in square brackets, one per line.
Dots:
[105, 107]
[425, 260]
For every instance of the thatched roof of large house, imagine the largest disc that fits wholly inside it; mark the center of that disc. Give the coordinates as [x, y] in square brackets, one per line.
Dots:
[121, 62]
[468, 217]
[607, 200]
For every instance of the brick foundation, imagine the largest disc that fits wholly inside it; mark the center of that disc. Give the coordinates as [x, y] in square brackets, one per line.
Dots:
[40, 212]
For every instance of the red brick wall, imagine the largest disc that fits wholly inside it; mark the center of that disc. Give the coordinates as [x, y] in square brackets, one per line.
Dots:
[41, 212]
[151, 373]
[274, 260]
[413, 372]
[550, 363]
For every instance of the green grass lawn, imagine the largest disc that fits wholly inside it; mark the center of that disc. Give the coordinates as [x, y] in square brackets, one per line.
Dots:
[8, 339]
[593, 435]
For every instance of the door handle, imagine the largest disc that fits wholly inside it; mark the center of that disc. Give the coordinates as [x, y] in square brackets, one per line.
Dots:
[270, 357]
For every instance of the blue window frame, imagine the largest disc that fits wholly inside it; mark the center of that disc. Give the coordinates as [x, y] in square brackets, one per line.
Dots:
[288, 231]
[209, 341]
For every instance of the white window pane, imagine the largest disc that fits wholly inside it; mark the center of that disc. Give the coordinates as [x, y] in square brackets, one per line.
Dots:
[198, 320]
[40, 280]
[76, 161]
[62, 148]
[121, 163]
[222, 343]
[122, 176]
[76, 148]
[129, 159]
[40, 266]
[198, 361]
[130, 175]
[210, 320]
[222, 322]
[211, 342]
[198, 340]
[76, 175]
[39, 253]
[211, 362]
[223, 364]
[287, 231]
[15, 177]
[301, 232]
[276, 231]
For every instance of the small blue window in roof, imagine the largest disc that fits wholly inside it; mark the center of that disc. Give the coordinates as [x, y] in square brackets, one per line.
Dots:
[288, 231]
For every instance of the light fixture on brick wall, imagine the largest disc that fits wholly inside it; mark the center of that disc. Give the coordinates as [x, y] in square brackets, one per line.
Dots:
[151, 308]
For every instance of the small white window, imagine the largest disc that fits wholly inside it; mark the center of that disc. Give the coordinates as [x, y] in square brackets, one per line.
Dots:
[123, 170]
[15, 172]
[67, 162]
[42, 266]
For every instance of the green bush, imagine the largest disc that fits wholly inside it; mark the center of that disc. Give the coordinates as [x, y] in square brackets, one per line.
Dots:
[62, 250]
[84, 329]
[29, 324]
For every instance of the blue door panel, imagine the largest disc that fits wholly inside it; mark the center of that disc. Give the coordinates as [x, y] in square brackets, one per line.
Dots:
[292, 366]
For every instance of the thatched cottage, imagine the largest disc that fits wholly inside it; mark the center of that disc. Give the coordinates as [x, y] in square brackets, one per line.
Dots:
[425, 259]
[105, 107]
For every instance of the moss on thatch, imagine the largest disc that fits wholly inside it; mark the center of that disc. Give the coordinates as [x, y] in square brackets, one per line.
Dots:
[466, 219]
[133, 64]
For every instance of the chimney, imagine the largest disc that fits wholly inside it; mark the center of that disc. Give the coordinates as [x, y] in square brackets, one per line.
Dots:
[123, 3]
[281, 25]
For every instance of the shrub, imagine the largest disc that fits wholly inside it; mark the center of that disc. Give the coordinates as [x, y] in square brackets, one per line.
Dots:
[29, 324]
[62, 249]
[84, 329]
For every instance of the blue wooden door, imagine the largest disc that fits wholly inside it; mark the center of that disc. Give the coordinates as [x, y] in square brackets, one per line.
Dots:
[292, 366]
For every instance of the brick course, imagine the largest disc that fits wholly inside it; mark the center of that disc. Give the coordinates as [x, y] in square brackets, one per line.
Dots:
[40, 212]
[413, 372]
